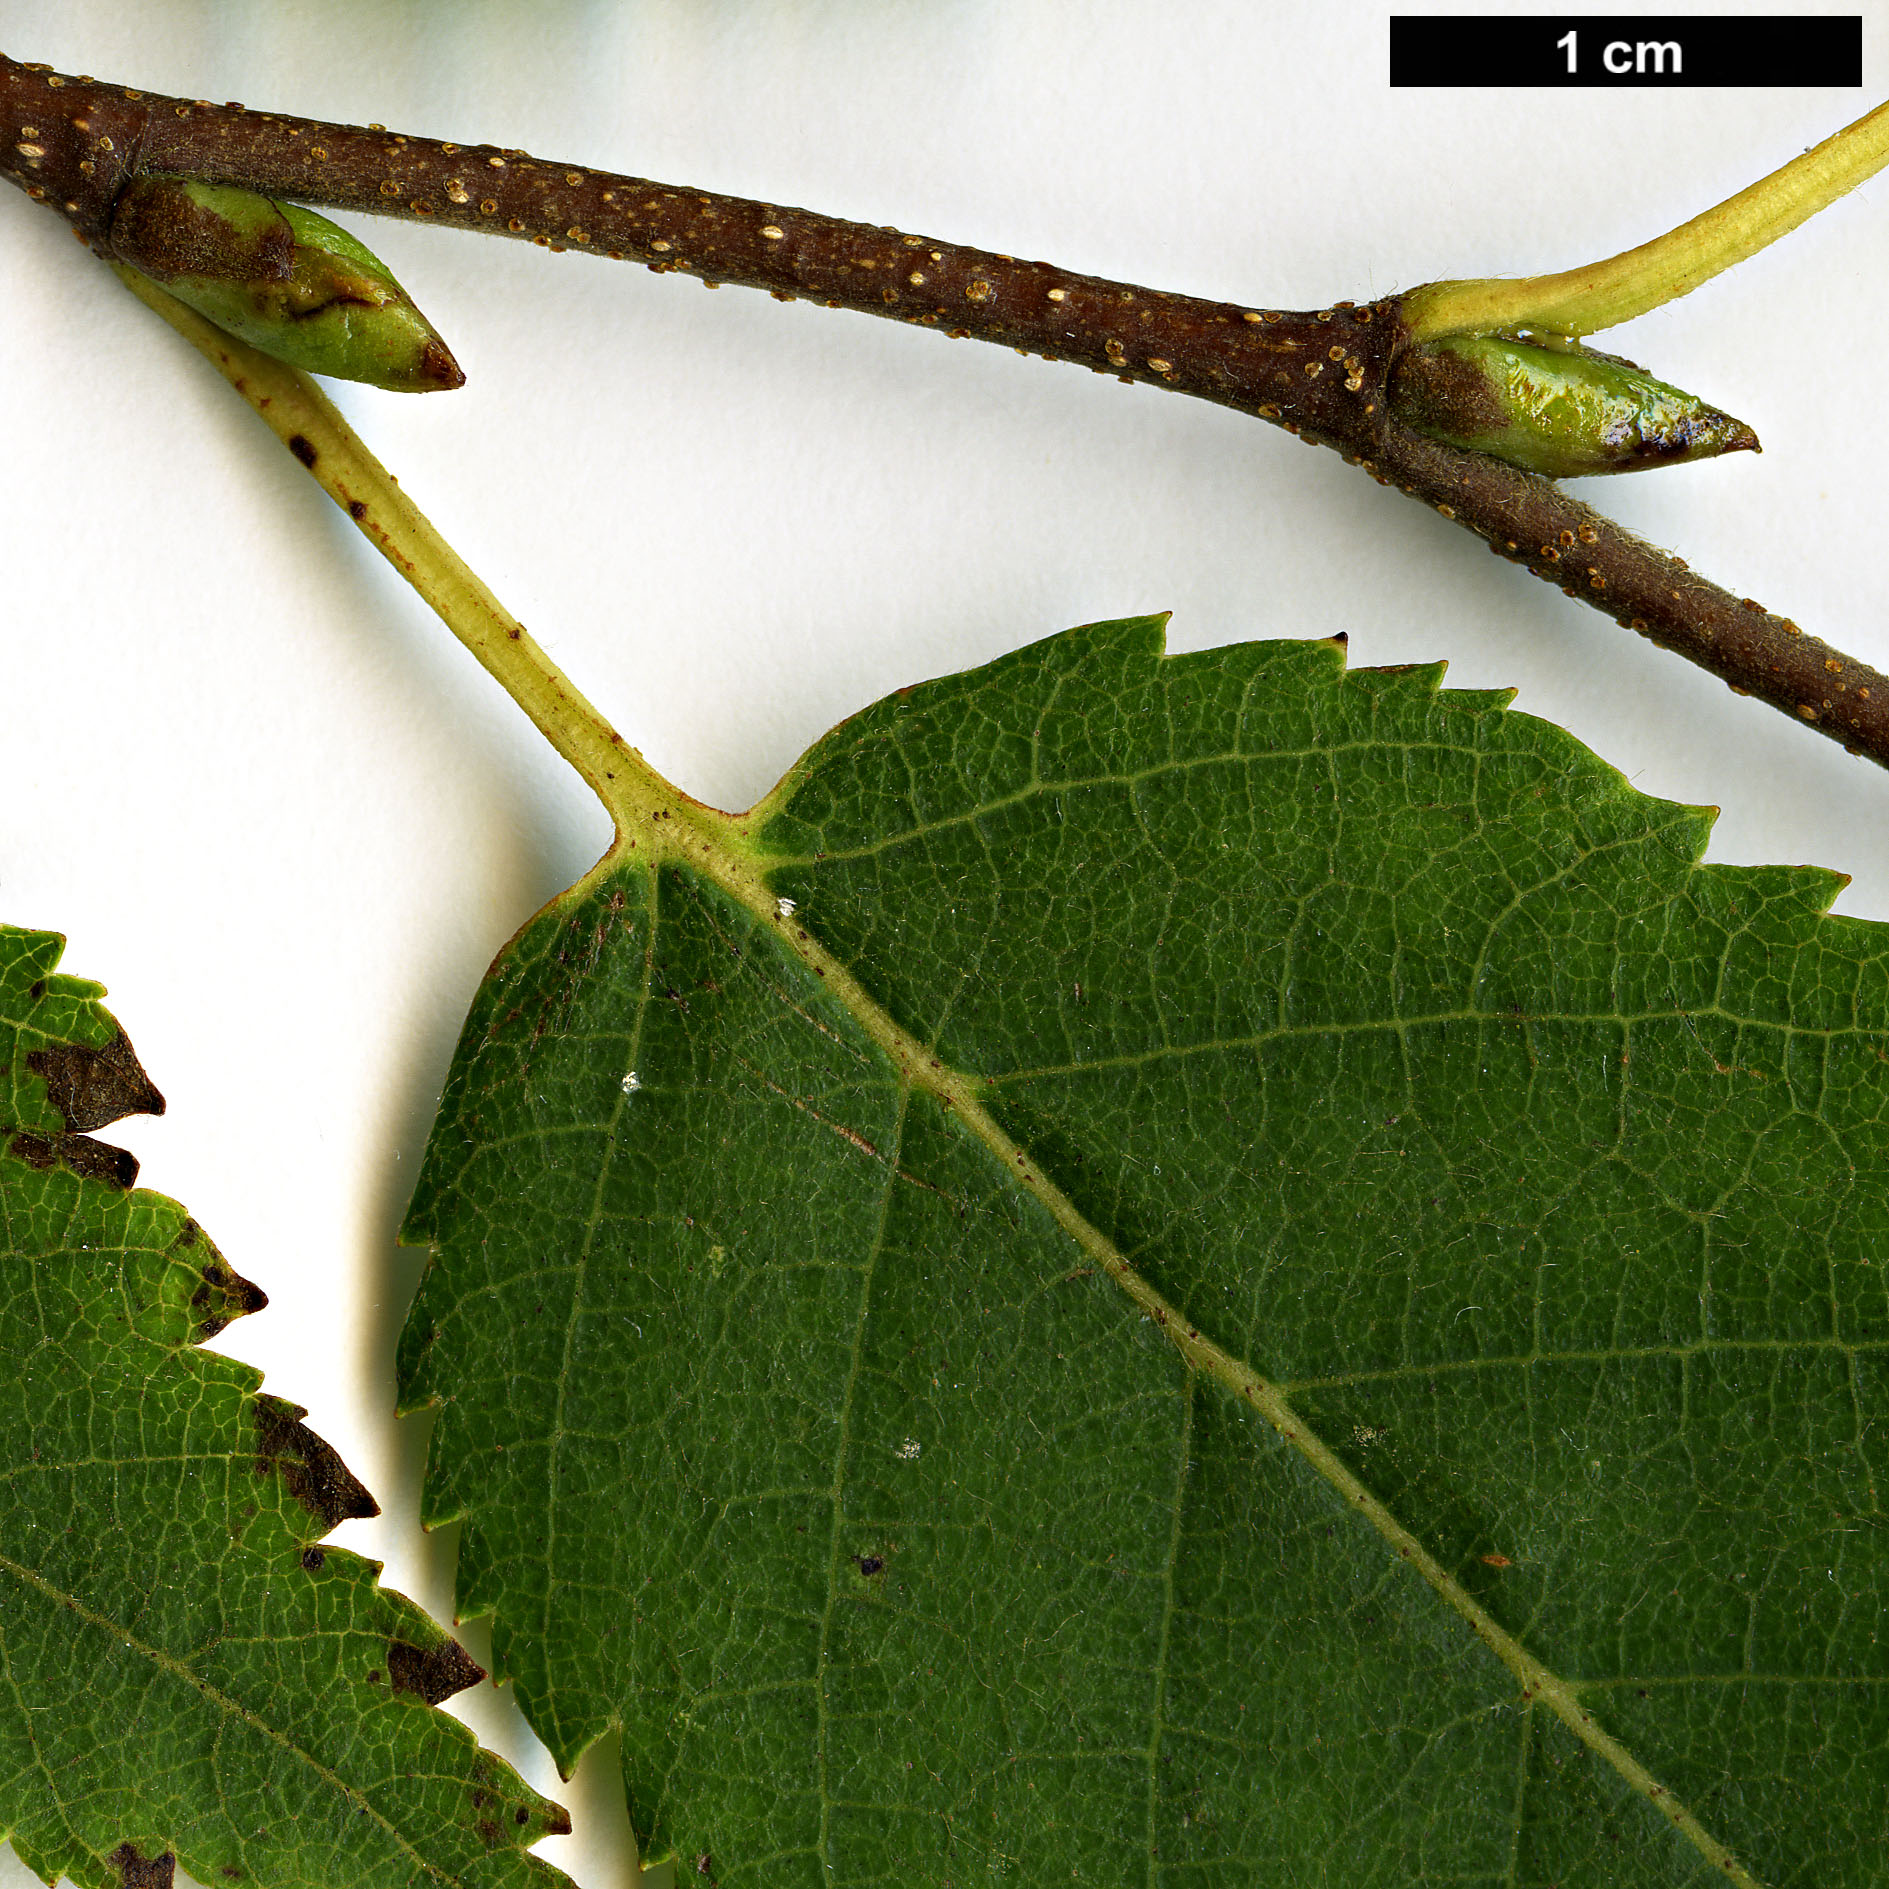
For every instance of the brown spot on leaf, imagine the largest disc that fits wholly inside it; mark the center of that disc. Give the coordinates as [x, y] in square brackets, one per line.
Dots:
[225, 1295]
[313, 1560]
[90, 1160]
[316, 1476]
[489, 1833]
[303, 450]
[870, 1564]
[434, 1672]
[93, 1087]
[357, 509]
[137, 1871]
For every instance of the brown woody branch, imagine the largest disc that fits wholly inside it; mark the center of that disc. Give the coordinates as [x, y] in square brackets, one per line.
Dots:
[75, 144]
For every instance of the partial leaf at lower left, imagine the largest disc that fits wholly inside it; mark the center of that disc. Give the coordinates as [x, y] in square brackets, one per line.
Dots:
[186, 1677]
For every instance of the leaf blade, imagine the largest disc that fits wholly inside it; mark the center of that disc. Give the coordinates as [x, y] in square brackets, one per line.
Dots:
[1395, 900]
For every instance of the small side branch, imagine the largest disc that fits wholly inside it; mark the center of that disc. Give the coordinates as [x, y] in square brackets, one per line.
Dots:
[1533, 522]
[1324, 374]
[87, 141]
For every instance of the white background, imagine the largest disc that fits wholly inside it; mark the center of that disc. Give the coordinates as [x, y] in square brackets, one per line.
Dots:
[288, 821]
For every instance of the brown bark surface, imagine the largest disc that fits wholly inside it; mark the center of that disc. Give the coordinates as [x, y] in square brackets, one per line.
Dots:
[74, 144]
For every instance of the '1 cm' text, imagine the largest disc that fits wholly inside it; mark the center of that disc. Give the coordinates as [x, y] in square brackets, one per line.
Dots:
[1622, 56]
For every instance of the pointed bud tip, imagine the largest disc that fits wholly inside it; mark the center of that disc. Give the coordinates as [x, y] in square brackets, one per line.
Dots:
[438, 372]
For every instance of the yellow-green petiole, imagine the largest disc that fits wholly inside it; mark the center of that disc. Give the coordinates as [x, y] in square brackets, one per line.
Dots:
[1556, 309]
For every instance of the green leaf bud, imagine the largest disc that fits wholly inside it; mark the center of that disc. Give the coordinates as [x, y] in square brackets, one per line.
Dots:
[1565, 412]
[283, 279]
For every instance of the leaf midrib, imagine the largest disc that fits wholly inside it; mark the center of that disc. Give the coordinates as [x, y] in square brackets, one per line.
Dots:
[718, 846]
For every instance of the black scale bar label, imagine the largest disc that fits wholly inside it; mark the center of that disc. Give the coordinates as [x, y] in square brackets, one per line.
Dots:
[1628, 49]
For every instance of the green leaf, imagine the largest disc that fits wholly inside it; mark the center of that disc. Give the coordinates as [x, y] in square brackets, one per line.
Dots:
[185, 1676]
[1255, 1276]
